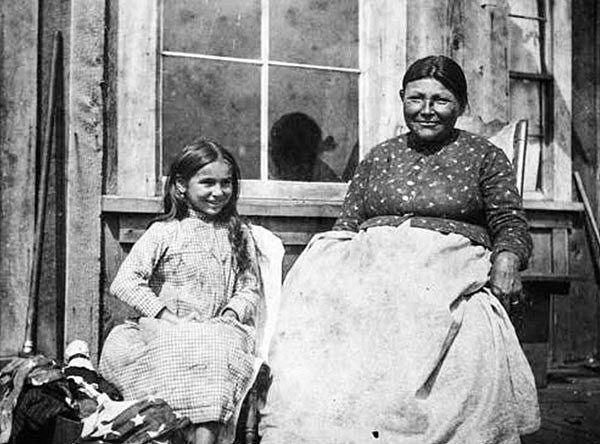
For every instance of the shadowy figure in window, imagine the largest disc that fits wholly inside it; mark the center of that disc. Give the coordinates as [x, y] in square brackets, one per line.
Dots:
[295, 145]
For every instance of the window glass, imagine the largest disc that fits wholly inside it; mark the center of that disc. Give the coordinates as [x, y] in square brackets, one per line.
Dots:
[223, 28]
[526, 103]
[215, 99]
[525, 50]
[528, 8]
[313, 125]
[206, 93]
[315, 32]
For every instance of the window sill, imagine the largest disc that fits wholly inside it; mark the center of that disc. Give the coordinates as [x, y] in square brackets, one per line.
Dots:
[290, 206]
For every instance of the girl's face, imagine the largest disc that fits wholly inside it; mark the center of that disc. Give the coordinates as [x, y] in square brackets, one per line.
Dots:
[430, 109]
[209, 190]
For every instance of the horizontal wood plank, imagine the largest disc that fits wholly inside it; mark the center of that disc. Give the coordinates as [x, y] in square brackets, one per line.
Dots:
[306, 207]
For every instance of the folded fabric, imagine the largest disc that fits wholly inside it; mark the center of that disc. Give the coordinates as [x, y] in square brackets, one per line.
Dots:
[135, 422]
[13, 377]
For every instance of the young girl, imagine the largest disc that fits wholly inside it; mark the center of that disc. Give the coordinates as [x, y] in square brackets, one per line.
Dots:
[194, 278]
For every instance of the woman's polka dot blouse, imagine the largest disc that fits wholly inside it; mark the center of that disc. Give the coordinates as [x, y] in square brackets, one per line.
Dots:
[465, 185]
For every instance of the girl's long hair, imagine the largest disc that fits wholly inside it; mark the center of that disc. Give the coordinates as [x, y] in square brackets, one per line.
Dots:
[188, 162]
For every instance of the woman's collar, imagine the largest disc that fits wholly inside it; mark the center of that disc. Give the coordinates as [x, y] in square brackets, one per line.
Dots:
[417, 144]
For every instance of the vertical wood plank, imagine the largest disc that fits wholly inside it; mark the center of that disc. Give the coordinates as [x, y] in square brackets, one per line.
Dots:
[427, 28]
[18, 103]
[113, 311]
[560, 251]
[479, 42]
[136, 97]
[84, 169]
[383, 62]
[560, 150]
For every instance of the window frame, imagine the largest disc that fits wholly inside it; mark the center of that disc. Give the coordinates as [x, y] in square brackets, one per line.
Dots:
[554, 81]
[138, 107]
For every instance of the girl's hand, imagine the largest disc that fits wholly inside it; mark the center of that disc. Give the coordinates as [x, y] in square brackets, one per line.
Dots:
[230, 314]
[191, 317]
[172, 318]
[505, 281]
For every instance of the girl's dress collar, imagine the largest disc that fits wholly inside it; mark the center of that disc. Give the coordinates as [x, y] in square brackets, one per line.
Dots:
[194, 214]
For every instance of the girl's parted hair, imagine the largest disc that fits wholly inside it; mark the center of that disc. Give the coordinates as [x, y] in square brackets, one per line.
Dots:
[188, 162]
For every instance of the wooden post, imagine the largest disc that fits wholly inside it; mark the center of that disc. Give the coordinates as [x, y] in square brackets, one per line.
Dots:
[383, 62]
[18, 108]
[84, 172]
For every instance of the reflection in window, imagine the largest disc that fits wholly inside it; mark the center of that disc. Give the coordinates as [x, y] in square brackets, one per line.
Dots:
[330, 100]
[287, 109]
[294, 150]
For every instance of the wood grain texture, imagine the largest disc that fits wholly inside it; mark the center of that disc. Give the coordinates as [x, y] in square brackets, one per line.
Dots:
[383, 62]
[136, 97]
[18, 107]
[84, 169]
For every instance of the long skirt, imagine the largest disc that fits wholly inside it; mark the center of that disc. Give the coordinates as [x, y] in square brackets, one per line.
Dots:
[200, 369]
[388, 335]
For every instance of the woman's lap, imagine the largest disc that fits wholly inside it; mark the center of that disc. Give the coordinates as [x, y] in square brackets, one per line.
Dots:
[362, 326]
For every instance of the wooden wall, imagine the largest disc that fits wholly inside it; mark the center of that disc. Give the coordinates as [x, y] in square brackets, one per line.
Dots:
[18, 112]
[579, 315]
[28, 30]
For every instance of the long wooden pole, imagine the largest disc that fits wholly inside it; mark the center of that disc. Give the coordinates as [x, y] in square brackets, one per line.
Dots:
[587, 208]
[34, 278]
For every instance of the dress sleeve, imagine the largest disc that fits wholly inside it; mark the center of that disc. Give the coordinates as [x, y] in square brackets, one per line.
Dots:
[353, 211]
[247, 292]
[131, 285]
[505, 217]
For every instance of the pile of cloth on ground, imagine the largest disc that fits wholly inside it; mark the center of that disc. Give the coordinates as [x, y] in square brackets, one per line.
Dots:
[37, 394]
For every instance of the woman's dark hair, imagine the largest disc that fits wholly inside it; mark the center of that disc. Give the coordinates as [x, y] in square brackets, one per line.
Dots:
[188, 162]
[444, 70]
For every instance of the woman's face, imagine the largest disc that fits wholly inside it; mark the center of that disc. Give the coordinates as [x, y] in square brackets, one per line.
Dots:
[430, 109]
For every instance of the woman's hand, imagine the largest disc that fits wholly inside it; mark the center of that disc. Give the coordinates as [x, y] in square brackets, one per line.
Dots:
[505, 281]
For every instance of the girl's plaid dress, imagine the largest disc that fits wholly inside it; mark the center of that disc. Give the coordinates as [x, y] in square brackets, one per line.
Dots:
[199, 368]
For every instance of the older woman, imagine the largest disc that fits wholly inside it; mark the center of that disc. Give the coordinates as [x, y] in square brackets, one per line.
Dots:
[393, 326]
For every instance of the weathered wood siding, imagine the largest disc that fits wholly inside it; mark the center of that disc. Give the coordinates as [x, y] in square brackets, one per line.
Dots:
[84, 172]
[18, 112]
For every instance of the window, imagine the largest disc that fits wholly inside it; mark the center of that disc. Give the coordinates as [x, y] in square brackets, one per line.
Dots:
[276, 81]
[533, 62]
[237, 71]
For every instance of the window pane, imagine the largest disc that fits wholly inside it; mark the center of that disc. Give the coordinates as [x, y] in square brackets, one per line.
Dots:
[313, 121]
[528, 8]
[316, 32]
[526, 103]
[224, 27]
[525, 52]
[219, 100]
